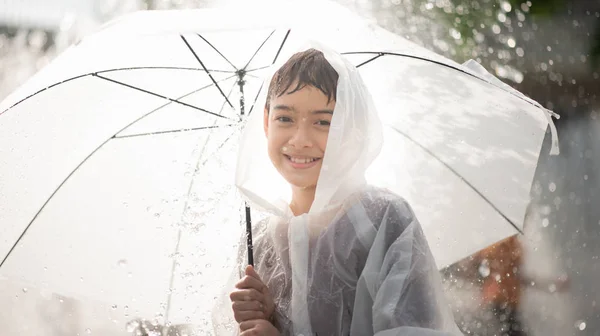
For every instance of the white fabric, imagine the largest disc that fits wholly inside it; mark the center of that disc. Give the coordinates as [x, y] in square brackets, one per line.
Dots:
[357, 263]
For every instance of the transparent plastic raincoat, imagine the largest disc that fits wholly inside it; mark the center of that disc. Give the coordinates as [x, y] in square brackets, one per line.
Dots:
[357, 263]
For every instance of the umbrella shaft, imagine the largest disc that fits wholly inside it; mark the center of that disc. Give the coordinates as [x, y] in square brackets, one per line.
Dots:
[249, 236]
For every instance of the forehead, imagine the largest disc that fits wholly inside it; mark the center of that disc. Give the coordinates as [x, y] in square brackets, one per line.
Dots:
[308, 97]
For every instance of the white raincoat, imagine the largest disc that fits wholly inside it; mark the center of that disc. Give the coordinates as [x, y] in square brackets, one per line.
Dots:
[357, 263]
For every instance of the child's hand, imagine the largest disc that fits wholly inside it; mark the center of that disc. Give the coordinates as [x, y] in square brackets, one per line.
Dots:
[251, 300]
[258, 328]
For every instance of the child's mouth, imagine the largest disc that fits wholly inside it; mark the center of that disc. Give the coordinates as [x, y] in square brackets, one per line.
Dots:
[302, 162]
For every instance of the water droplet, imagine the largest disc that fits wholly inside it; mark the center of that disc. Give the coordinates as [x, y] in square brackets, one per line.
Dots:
[585, 177]
[88, 331]
[496, 29]
[545, 222]
[132, 326]
[129, 274]
[581, 325]
[552, 187]
[45, 268]
[157, 215]
[506, 6]
[484, 269]
[122, 263]
[25, 290]
[511, 42]
[114, 307]
[81, 279]
[552, 288]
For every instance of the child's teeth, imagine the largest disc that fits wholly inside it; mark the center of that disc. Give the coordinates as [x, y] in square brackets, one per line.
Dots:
[295, 160]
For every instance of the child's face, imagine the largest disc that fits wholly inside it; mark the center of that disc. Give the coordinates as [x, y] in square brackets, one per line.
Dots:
[297, 127]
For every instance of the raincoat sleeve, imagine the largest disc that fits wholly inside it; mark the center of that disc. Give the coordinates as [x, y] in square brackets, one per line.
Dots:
[400, 286]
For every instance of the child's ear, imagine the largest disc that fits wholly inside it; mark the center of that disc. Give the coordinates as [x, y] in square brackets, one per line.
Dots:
[266, 121]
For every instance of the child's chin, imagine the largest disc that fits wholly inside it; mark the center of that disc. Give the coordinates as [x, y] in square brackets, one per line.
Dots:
[301, 183]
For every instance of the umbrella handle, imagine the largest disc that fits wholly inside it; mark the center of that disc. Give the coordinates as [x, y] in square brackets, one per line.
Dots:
[249, 236]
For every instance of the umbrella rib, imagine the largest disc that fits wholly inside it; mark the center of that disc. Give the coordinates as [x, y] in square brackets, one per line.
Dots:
[163, 68]
[102, 71]
[47, 201]
[369, 60]
[205, 69]
[171, 131]
[255, 99]
[256, 69]
[460, 177]
[68, 177]
[451, 67]
[281, 46]
[184, 96]
[229, 94]
[287, 34]
[217, 50]
[257, 50]
[161, 96]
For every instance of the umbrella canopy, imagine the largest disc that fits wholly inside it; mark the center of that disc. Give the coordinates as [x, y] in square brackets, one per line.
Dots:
[117, 163]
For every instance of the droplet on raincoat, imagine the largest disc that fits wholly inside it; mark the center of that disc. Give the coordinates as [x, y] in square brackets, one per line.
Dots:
[552, 187]
[581, 325]
[484, 269]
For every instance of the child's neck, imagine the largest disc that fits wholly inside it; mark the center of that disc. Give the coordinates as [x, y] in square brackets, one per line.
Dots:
[302, 199]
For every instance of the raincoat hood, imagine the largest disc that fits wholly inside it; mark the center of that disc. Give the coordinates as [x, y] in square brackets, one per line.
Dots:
[355, 140]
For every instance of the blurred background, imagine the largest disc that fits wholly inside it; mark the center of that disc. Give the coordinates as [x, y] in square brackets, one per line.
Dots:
[547, 49]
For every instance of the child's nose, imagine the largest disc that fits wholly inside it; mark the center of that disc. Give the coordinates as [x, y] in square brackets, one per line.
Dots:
[301, 137]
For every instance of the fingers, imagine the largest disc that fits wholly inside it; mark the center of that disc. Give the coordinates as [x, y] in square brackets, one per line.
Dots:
[258, 328]
[251, 272]
[248, 315]
[248, 282]
[248, 305]
[253, 324]
[247, 325]
[246, 295]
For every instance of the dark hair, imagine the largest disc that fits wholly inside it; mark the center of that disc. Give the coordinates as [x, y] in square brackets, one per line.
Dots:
[304, 68]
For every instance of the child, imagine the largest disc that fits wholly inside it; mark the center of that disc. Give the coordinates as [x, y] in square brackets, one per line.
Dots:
[337, 257]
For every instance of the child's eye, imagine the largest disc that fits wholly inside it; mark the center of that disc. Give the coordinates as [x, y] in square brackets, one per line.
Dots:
[284, 119]
[324, 123]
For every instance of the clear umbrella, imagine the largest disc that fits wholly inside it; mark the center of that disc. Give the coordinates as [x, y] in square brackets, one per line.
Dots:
[118, 159]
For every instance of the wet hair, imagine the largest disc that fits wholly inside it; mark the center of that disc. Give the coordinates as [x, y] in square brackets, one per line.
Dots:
[304, 68]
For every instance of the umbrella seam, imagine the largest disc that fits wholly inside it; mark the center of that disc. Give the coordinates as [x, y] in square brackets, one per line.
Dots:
[426, 150]
[448, 66]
